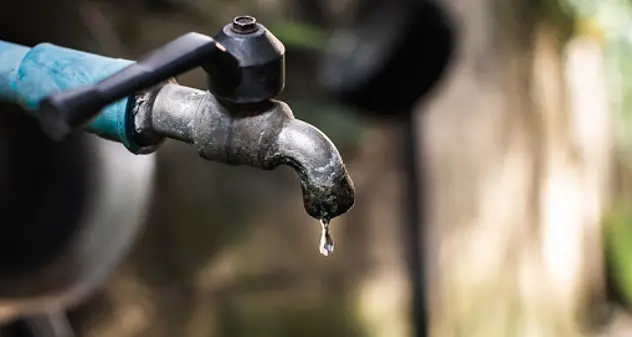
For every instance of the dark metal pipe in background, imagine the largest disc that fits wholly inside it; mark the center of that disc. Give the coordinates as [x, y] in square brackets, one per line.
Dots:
[415, 221]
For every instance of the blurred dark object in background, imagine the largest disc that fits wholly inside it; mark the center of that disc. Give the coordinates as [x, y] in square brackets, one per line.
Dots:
[67, 222]
[390, 56]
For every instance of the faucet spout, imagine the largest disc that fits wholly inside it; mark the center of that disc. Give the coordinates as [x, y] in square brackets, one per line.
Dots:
[327, 188]
[263, 135]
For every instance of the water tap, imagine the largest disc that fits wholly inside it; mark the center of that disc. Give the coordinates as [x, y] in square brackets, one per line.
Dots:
[236, 121]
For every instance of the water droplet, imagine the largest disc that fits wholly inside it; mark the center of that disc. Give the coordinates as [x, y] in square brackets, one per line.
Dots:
[326, 246]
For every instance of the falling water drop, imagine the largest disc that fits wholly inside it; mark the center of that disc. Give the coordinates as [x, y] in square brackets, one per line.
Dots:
[326, 246]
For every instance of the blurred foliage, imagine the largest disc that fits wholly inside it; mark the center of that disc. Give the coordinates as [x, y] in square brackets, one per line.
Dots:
[289, 315]
[338, 121]
[610, 23]
[561, 14]
[617, 236]
[335, 120]
[300, 35]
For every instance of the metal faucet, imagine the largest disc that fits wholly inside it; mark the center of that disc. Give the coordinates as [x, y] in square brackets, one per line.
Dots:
[264, 135]
[237, 121]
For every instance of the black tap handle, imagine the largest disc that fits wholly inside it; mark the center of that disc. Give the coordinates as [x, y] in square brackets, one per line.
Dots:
[65, 111]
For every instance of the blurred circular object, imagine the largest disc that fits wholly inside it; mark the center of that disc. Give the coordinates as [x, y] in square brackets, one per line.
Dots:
[390, 58]
[70, 213]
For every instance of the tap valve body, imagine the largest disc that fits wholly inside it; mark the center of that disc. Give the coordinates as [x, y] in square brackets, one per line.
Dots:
[261, 63]
[244, 63]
